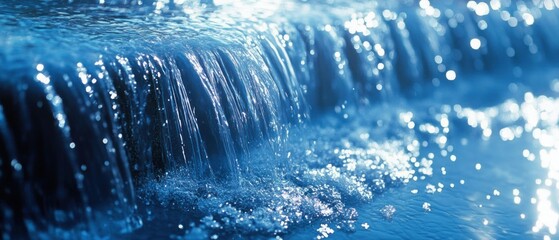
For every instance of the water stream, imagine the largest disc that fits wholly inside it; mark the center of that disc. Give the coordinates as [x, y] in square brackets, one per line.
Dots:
[257, 119]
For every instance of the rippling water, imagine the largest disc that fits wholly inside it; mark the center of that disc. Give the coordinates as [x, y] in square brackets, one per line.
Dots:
[295, 119]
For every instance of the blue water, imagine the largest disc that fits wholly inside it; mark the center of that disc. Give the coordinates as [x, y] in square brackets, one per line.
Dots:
[263, 119]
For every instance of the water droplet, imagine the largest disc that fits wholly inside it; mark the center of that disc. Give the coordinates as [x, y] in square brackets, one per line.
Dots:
[450, 75]
[16, 165]
[475, 43]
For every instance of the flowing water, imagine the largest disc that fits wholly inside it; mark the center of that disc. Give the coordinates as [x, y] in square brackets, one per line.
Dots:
[292, 119]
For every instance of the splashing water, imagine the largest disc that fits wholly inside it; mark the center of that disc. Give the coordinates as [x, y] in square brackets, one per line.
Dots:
[211, 119]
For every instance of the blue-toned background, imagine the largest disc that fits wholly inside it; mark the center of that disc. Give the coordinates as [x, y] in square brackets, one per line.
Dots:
[279, 119]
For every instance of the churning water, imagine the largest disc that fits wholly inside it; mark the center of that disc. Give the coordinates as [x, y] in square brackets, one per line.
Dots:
[279, 119]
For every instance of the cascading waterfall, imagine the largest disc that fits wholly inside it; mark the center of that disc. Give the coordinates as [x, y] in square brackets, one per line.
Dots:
[98, 98]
